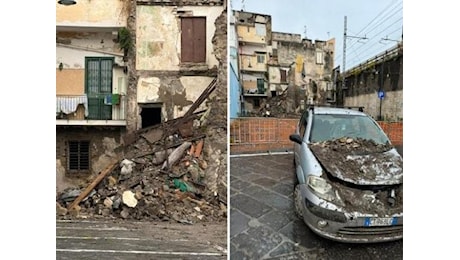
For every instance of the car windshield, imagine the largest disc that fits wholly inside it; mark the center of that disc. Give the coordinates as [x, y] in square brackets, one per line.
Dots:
[329, 127]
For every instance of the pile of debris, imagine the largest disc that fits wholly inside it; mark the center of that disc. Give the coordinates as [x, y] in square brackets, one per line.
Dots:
[359, 161]
[348, 145]
[280, 106]
[163, 174]
[372, 174]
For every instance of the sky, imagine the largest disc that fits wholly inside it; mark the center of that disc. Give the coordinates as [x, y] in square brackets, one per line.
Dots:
[322, 20]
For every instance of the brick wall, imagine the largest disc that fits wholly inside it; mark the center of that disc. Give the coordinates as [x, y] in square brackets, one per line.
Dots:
[394, 131]
[259, 134]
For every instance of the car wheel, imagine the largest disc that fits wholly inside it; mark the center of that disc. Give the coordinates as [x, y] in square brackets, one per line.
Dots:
[298, 202]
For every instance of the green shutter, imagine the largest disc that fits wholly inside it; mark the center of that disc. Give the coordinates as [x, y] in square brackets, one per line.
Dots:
[260, 86]
[98, 84]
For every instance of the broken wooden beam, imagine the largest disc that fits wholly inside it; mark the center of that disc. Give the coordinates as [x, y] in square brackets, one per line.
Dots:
[176, 155]
[204, 95]
[96, 181]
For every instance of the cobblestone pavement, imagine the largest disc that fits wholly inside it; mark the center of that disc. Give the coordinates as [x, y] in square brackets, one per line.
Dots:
[263, 224]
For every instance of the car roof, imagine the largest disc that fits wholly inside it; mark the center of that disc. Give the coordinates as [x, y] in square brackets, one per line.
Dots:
[337, 110]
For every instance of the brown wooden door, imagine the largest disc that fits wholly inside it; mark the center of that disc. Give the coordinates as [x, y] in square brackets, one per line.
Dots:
[193, 39]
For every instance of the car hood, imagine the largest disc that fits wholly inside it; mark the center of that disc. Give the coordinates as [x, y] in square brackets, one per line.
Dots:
[360, 162]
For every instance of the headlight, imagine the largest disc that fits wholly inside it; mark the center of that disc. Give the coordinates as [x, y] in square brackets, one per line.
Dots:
[321, 188]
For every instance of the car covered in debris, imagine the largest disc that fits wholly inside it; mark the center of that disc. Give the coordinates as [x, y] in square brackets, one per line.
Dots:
[349, 184]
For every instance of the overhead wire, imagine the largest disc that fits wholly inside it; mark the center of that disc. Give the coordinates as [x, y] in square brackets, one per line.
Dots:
[384, 16]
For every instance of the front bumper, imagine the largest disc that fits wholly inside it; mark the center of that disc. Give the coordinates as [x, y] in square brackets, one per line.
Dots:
[344, 228]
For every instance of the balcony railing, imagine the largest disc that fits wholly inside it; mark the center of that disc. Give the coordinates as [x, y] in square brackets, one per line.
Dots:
[94, 109]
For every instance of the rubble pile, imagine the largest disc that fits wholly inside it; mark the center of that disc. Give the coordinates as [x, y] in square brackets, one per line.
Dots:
[373, 178]
[163, 174]
[348, 145]
[146, 188]
[280, 106]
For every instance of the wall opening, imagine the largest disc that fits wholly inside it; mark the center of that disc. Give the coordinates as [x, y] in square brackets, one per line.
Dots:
[78, 156]
[150, 114]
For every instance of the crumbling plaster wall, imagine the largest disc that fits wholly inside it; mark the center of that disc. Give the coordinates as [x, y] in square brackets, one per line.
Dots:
[308, 75]
[176, 94]
[158, 35]
[158, 77]
[100, 13]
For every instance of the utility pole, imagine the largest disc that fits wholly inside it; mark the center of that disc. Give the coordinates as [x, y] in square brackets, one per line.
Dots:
[345, 36]
[344, 57]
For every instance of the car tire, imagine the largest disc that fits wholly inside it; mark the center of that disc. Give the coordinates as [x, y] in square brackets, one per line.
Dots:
[298, 201]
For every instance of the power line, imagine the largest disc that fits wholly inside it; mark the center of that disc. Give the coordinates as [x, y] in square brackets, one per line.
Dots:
[382, 20]
[373, 40]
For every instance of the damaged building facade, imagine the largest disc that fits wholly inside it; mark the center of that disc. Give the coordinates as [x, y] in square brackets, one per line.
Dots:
[270, 62]
[123, 66]
[91, 87]
[309, 65]
[174, 57]
[253, 32]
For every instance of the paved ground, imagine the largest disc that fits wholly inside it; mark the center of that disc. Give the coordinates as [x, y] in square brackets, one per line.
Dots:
[263, 224]
[108, 240]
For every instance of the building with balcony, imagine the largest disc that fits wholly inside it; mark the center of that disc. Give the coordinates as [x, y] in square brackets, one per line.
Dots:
[271, 62]
[91, 85]
[254, 41]
[126, 65]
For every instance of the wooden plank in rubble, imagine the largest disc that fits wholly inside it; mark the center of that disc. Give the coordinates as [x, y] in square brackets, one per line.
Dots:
[96, 181]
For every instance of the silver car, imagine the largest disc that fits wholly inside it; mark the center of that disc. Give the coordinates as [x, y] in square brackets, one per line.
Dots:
[349, 184]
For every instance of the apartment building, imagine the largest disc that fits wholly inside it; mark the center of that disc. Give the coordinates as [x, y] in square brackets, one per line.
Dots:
[272, 62]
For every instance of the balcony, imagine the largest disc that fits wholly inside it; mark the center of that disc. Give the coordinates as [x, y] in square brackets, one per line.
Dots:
[95, 110]
[256, 88]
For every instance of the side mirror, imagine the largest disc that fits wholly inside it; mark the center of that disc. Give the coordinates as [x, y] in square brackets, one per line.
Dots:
[295, 138]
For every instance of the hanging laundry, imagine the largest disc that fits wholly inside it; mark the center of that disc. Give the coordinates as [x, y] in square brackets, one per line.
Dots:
[69, 104]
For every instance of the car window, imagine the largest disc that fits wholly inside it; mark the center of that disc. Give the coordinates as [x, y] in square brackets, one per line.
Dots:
[330, 127]
[303, 124]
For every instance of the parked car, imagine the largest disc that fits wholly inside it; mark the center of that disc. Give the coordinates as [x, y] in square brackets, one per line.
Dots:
[349, 184]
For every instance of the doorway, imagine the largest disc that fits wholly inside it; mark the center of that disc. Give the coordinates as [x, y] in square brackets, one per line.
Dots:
[150, 114]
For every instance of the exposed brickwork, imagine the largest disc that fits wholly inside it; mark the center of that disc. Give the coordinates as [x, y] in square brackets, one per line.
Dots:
[394, 130]
[251, 135]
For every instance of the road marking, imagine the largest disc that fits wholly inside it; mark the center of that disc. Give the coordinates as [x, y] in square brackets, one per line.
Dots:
[260, 154]
[93, 228]
[137, 252]
[116, 238]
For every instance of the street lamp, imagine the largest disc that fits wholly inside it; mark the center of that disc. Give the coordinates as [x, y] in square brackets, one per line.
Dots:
[67, 2]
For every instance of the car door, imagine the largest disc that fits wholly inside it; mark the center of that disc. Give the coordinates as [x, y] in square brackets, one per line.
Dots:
[300, 130]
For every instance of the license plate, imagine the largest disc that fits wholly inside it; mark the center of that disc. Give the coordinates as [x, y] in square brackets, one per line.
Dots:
[370, 222]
